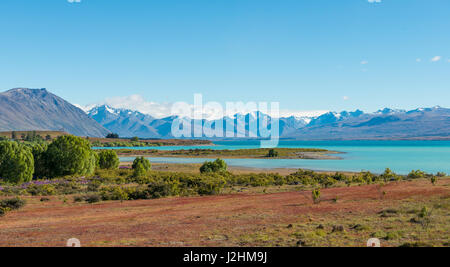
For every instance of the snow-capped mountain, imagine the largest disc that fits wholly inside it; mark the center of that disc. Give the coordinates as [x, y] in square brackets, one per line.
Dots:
[128, 123]
[385, 123]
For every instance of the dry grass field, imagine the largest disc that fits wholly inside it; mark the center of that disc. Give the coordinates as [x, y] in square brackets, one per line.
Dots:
[346, 216]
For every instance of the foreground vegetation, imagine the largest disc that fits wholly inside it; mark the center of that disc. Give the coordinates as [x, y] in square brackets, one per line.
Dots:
[140, 182]
[68, 171]
[411, 213]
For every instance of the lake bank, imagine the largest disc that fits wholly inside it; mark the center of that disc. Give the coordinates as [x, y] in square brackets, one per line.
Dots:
[281, 153]
[374, 156]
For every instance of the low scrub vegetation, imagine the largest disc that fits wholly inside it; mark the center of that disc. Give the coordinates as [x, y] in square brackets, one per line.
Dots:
[7, 205]
[141, 182]
[240, 153]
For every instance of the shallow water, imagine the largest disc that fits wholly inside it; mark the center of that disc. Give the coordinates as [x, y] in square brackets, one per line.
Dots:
[374, 156]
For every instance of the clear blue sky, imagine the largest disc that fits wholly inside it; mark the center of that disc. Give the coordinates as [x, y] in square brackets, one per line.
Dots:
[307, 54]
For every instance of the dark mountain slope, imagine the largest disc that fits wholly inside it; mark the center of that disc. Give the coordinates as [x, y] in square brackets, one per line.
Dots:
[37, 109]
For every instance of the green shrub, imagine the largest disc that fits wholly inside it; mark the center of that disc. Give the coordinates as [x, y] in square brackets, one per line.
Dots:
[139, 193]
[210, 186]
[112, 136]
[144, 162]
[160, 190]
[78, 198]
[12, 203]
[108, 159]
[416, 174]
[41, 190]
[68, 188]
[393, 235]
[218, 165]
[70, 155]
[433, 180]
[388, 175]
[94, 186]
[139, 172]
[272, 153]
[3, 211]
[326, 181]
[89, 198]
[113, 193]
[316, 195]
[423, 217]
[92, 198]
[339, 177]
[16, 162]
[38, 150]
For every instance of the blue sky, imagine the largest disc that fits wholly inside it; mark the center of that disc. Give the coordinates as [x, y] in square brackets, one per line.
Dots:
[306, 54]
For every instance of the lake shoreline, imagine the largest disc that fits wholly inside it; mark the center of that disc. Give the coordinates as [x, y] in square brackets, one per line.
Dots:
[375, 156]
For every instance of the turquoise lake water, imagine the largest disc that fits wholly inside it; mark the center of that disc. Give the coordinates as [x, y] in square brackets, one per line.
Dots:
[374, 156]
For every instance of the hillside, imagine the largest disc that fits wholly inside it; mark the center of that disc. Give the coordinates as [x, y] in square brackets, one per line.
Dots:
[25, 109]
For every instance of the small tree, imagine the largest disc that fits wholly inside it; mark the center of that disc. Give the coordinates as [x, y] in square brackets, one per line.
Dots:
[139, 170]
[218, 165]
[388, 175]
[40, 165]
[316, 195]
[416, 174]
[135, 139]
[433, 180]
[13, 135]
[272, 153]
[16, 162]
[70, 155]
[108, 159]
[144, 162]
[112, 136]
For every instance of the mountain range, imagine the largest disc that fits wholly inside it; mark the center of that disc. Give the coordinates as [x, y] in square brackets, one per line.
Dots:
[426, 123]
[23, 109]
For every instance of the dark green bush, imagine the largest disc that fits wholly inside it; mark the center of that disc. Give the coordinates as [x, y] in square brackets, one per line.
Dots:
[78, 198]
[210, 186]
[108, 159]
[139, 193]
[139, 173]
[272, 153]
[218, 165]
[94, 186]
[388, 175]
[42, 190]
[16, 162]
[147, 166]
[316, 195]
[113, 193]
[416, 174]
[40, 168]
[70, 155]
[92, 198]
[68, 188]
[3, 211]
[12, 203]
